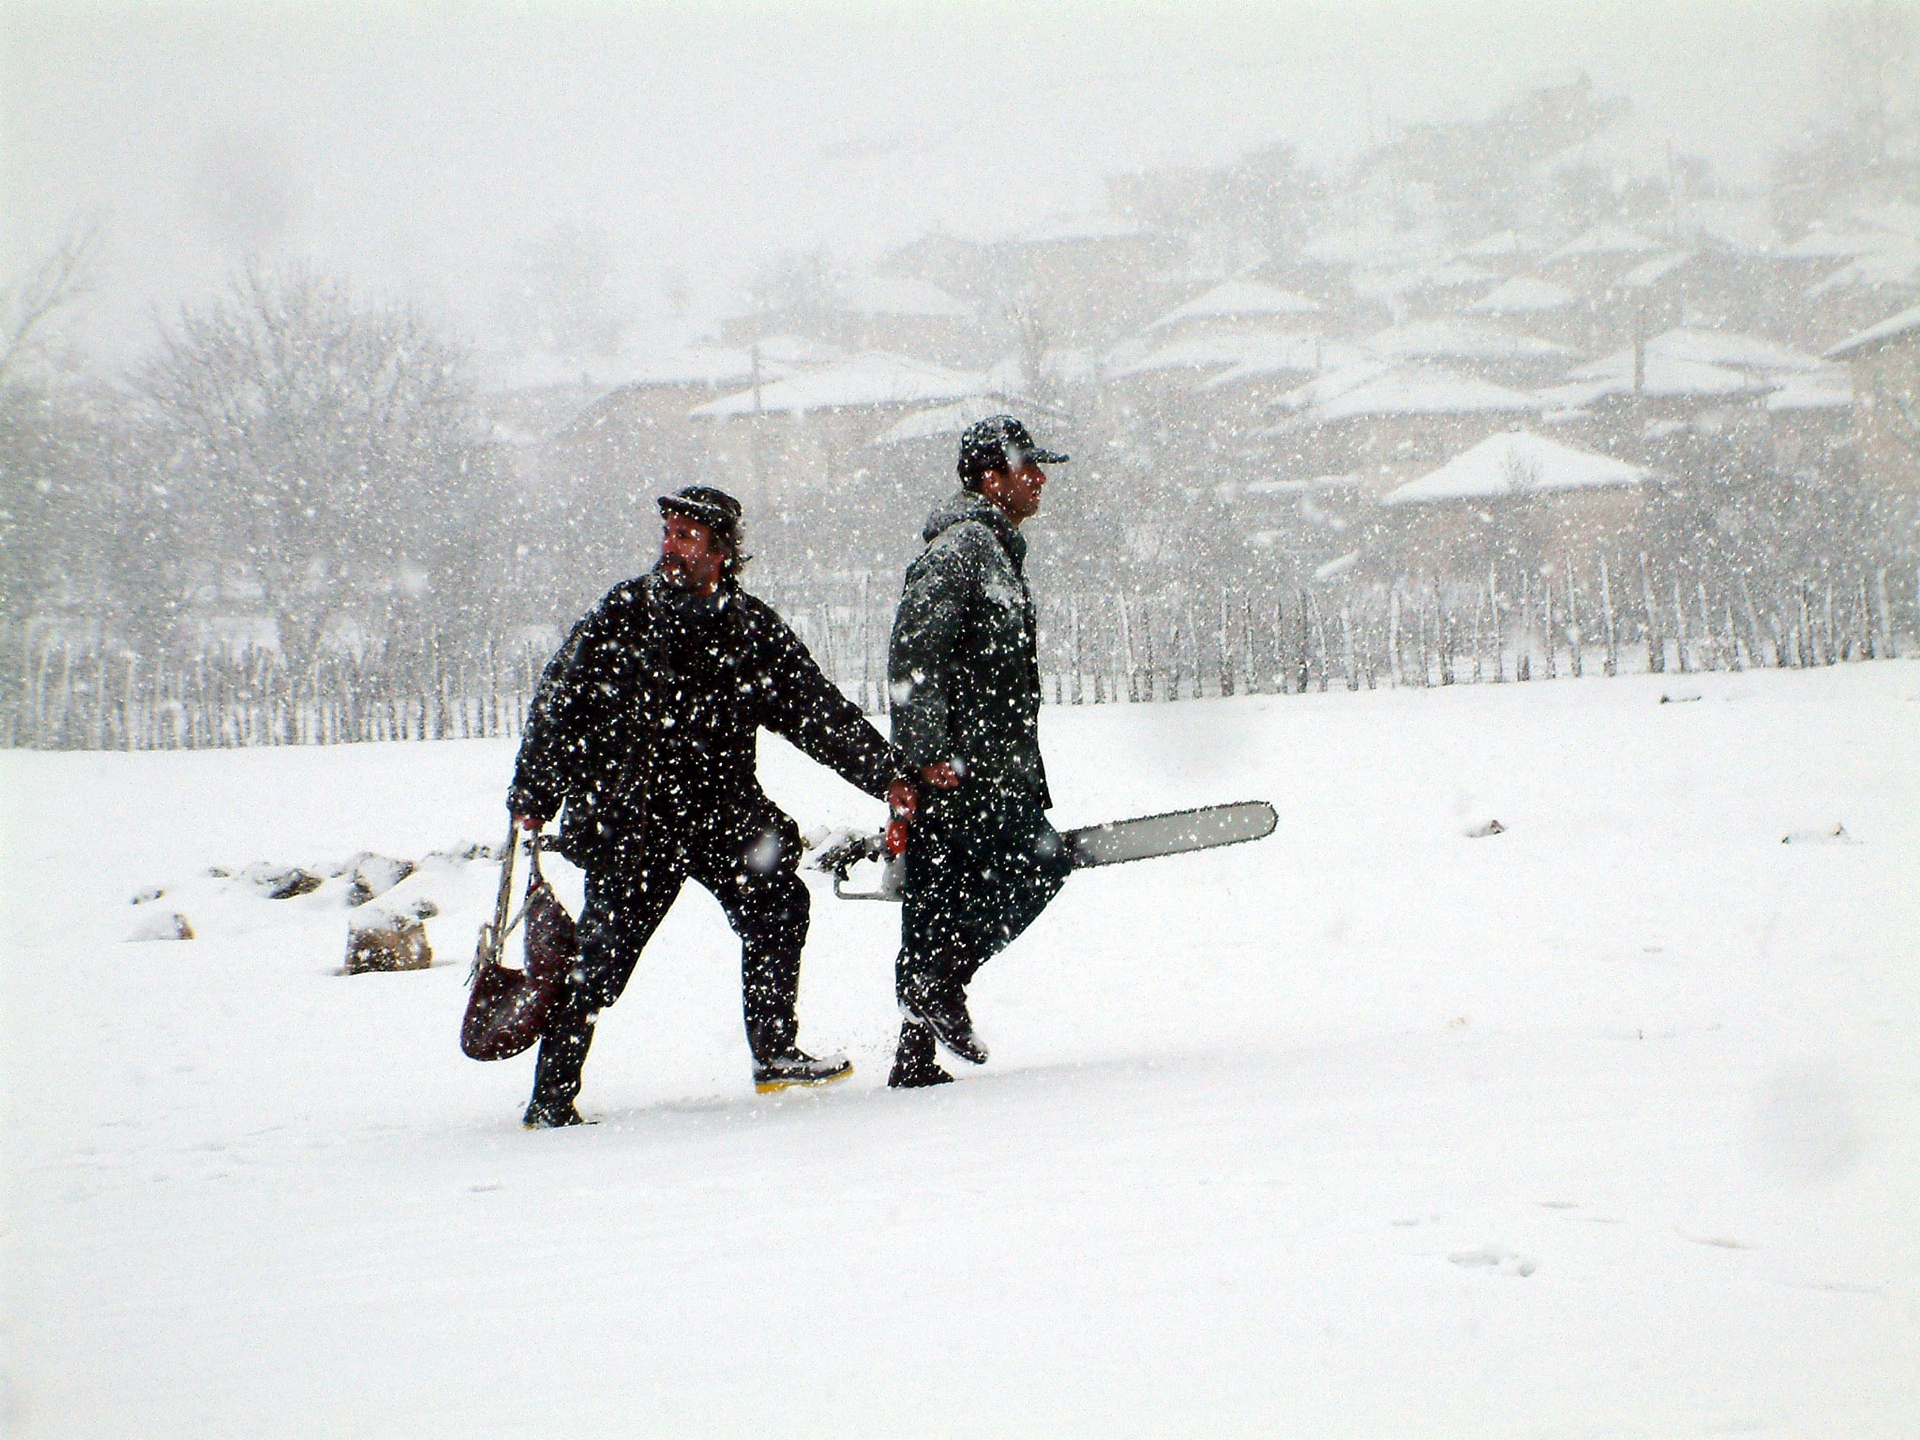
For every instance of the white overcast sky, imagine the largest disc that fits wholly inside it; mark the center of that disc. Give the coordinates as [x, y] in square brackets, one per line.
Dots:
[412, 147]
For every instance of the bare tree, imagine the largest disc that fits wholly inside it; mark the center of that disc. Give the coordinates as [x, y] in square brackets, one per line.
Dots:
[329, 442]
[28, 307]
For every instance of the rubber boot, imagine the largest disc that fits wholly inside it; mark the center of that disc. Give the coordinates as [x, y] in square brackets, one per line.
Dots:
[914, 1061]
[556, 1073]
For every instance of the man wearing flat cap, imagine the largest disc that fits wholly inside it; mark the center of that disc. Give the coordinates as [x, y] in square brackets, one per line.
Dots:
[963, 674]
[645, 727]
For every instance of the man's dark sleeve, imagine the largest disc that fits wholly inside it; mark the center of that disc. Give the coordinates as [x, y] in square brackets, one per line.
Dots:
[806, 708]
[554, 744]
[926, 633]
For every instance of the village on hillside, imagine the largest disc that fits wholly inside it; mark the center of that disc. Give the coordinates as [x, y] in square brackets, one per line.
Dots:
[1545, 353]
[1442, 370]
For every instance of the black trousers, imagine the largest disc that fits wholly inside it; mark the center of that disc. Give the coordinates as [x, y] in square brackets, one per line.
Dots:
[982, 864]
[747, 859]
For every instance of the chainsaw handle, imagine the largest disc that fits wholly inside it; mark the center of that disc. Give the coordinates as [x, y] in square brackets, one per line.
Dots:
[891, 877]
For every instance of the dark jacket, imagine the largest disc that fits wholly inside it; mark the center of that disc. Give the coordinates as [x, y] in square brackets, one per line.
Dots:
[649, 715]
[963, 670]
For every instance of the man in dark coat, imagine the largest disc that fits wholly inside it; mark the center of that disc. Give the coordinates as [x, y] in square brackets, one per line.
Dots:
[964, 676]
[645, 726]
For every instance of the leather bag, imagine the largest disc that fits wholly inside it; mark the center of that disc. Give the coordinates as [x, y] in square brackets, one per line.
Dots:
[507, 1008]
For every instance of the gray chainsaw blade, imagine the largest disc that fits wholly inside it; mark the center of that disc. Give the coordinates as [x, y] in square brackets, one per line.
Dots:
[1114, 843]
[1119, 841]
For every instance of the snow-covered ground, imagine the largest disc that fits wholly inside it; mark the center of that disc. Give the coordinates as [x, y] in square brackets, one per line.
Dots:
[1606, 1125]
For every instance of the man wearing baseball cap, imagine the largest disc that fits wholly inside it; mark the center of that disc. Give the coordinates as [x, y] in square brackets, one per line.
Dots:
[963, 675]
[645, 729]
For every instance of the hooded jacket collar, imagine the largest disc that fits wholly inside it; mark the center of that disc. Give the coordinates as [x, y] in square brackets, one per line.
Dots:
[967, 505]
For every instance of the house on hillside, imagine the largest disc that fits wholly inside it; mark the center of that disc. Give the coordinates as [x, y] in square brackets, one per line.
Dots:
[1689, 391]
[1474, 347]
[608, 452]
[1080, 280]
[903, 315]
[1885, 364]
[798, 452]
[910, 317]
[1540, 307]
[1712, 286]
[1514, 497]
[1511, 252]
[1384, 421]
[1413, 292]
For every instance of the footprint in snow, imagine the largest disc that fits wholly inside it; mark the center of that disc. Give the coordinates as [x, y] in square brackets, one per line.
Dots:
[1492, 1257]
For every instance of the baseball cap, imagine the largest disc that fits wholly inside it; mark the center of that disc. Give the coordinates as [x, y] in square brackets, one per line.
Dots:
[715, 509]
[1000, 442]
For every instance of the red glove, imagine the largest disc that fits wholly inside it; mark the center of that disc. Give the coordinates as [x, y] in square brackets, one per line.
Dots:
[903, 800]
[530, 822]
[943, 776]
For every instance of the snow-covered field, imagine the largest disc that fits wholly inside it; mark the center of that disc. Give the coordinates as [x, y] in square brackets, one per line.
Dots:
[1606, 1125]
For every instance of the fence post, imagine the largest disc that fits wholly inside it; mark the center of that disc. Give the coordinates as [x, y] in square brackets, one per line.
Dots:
[1606, 611]
[1546, 628]
[1656, 643]
[1498, 638]
[1394, 671]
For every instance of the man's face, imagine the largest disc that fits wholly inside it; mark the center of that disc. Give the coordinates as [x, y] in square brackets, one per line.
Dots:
[690, 557]
[1016, 490]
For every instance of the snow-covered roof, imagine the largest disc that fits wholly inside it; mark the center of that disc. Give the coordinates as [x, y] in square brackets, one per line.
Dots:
[1522, 295]
[1898, 267]
[1459, 339]
[1515, 463]
[1651, 272]
[1822, 242]
[1332, 385]
[1662, 378]
[1509, 244]
[886, 295]
[1828, 388]
[706, 365]
[1731, 348]
[1411, 280]
[1905, 323]
[869, 379]
[1238, 299]
[797, 350]
[1213, 351]
[1606, 240]
[950, 419]
[1278, 355]
[1365, 390]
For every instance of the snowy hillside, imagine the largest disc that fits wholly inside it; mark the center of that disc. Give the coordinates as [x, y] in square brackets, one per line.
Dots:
[1604, 1125]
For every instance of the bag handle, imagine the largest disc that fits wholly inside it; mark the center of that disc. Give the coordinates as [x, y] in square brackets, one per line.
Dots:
[493, 937]
[534, 881]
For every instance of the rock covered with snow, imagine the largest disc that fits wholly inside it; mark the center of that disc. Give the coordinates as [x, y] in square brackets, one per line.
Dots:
[381, 940]
[162, 925]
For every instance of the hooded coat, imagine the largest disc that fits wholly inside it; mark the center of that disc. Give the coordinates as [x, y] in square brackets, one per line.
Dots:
[963, 669]
[649, 716]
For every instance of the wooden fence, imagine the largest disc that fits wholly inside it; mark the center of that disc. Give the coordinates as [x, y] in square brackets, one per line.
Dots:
[1095, 649]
